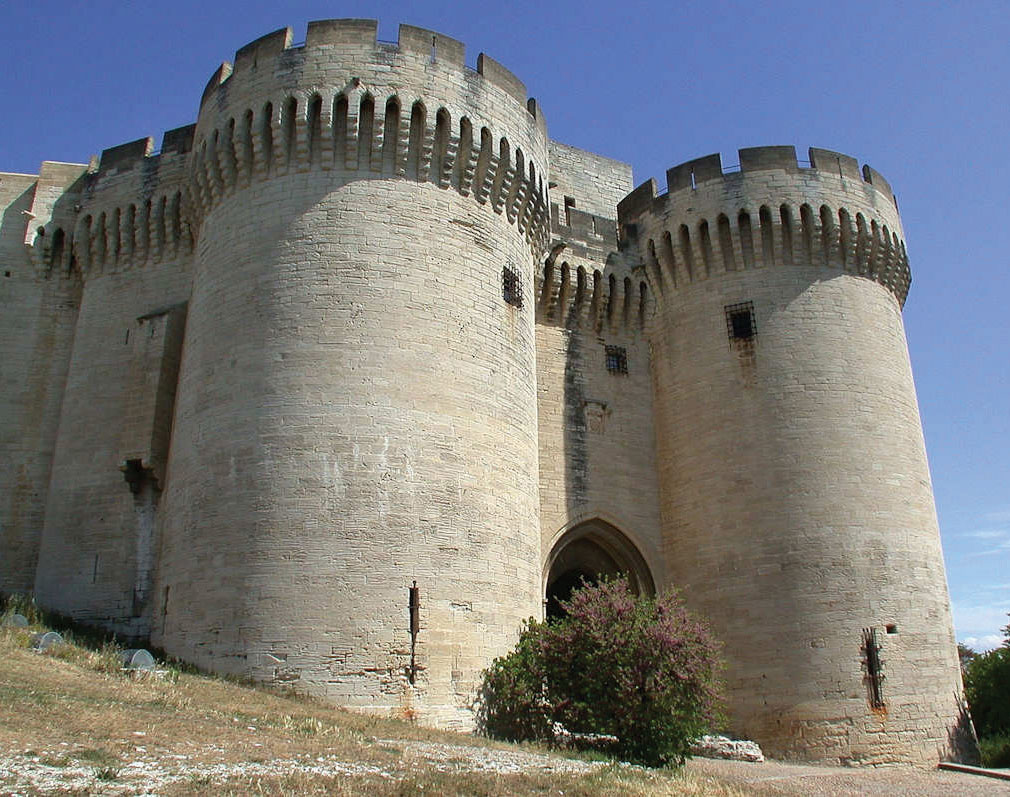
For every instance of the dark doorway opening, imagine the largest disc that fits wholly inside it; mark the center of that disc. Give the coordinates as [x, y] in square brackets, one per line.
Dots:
[563, 587]
[592, 551]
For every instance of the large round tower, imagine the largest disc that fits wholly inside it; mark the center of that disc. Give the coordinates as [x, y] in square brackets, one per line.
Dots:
[796, 503]
[356, 409]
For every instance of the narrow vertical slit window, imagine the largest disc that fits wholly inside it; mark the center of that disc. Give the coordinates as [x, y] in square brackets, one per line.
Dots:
[874, 668]
[414, 609]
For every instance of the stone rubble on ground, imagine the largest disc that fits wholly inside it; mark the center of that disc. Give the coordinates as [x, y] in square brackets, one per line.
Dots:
[44, 641]
[581, 741]
[724, 747]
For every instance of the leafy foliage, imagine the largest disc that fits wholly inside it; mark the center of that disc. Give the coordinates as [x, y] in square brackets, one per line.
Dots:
[513, 704]
[965, 654]
[995, 750]
[640, 669]
[987, 688]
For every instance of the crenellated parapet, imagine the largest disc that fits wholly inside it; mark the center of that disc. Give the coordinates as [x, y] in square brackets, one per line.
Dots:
[769, 212]
[343, 102]
[357, 108]
[129, 209]
[578, 297]
[55, 195]
[585, 282]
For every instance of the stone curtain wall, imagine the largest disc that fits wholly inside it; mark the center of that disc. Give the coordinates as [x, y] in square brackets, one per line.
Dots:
[39, 301]
[130, 252]
[597, 448]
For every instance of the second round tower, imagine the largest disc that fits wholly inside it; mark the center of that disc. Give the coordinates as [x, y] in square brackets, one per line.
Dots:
[797, 511]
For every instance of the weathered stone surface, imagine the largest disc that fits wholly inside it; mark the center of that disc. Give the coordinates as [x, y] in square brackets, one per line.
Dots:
[724, 747]
[46, 641]
[363, 324]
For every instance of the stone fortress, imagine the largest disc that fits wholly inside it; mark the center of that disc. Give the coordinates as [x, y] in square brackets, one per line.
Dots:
[364, 326]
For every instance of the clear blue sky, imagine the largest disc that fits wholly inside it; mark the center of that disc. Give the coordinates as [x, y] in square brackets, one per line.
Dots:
[919, 90]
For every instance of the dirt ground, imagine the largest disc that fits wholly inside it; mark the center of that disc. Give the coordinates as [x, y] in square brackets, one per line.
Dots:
[774, 778]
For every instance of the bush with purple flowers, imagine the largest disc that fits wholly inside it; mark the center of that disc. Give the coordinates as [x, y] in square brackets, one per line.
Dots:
[638, 668]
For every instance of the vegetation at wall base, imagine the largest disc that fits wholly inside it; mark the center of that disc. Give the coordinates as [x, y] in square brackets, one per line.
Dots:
[71, 723]
[995, 750]
[640, 669]
[987, 690]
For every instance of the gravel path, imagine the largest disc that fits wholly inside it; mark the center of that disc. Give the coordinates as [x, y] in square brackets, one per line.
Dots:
[775, 778]
[32, 772]
[47, 772]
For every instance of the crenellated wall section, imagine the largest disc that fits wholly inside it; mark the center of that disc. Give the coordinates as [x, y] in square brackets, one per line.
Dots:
[39, 302]
[341, 101]
[830, 214]
[124, 238]
[129, 209]
[582, 297]
[598, 498]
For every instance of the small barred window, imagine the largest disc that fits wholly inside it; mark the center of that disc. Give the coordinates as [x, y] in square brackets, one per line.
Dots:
[617, 359]
[512, 287]
[740, 321]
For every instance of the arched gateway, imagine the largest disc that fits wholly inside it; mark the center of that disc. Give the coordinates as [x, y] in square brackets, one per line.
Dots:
[589, 551]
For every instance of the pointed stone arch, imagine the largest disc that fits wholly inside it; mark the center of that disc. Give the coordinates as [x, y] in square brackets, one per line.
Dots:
[589, 550]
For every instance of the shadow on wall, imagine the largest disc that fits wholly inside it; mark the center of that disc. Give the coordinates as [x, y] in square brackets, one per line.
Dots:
[962, 743]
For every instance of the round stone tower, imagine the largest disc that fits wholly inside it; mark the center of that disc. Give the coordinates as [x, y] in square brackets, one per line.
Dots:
[796, 504]
[356, 410]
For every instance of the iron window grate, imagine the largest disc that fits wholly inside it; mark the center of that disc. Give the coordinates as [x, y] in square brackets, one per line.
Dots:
[740, 323]
[512, 287]
[874, 668]
[617, 359]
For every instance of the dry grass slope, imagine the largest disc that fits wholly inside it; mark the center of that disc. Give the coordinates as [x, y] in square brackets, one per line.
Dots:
[72, 721]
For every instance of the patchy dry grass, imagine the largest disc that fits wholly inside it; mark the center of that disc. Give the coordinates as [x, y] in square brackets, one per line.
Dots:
[71, 721]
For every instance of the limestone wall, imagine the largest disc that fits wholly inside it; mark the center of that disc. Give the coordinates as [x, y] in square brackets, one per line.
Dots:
[39, 297]
[129, 247]
[596, 183]
[795, 493]
[597, 455]
[356, 406]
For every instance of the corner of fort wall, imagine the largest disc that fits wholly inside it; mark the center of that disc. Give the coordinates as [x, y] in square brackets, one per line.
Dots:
[40, 302]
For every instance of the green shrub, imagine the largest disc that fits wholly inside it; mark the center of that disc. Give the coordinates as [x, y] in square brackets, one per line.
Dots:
[513, 703]
[995, 750]
[18, 603]
[987, 689]
[640, 669]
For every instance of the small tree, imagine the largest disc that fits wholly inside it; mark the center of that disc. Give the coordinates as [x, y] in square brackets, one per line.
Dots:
[641, 669]
[987, 689]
